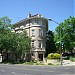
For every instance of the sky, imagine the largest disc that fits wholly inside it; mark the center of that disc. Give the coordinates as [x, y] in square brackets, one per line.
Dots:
[57, 10]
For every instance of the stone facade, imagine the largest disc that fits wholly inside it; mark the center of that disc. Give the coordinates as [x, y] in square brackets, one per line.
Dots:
[36, 27]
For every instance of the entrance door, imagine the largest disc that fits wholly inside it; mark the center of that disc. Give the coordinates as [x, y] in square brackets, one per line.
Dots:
[41, 57]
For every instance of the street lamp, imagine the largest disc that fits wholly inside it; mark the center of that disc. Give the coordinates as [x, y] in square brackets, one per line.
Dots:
[53, 21]
[60, 40]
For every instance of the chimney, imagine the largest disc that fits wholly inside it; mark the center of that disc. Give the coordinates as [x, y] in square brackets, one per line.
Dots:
[29, 15]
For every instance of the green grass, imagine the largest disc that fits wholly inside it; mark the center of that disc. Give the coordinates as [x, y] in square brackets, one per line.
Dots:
[28, 63]
[50, 64]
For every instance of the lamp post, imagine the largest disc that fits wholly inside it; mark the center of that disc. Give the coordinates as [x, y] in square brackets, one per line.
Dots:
[59, 42]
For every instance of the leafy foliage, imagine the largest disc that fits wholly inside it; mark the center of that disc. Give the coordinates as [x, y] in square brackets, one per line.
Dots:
[67, 29]
[4, 30]
[53, 56]
[16, 43]
[50, 44]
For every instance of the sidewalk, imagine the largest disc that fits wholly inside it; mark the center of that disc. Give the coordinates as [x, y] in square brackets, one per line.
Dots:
[68, 63]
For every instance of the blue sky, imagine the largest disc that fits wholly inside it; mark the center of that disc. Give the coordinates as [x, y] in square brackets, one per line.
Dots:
[58, 10]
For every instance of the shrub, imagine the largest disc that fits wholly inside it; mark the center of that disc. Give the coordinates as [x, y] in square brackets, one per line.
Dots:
[56, 56]
[50, 56]
[50, 64]
[72, 59]
[53, 56]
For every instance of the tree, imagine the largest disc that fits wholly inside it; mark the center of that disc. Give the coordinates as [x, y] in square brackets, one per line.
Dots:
[4, 30]
[67, 33]
[5, 26]
[11, 42]
[21, 45]
[50, 44]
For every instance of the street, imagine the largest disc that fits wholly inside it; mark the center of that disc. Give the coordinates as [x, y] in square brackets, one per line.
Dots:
[7, 69]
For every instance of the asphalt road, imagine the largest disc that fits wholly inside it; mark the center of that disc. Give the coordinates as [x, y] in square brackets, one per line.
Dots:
[6, 69]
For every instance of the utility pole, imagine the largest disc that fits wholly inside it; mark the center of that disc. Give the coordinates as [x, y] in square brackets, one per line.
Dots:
[29, 15]
[60, 40]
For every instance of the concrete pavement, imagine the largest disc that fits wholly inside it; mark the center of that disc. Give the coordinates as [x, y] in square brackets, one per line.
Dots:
[68, 63]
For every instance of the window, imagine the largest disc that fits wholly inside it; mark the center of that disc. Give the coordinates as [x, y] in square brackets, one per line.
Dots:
[32, 44]
[40, 22]
[40, 44]
[40, 32]
[33, 32]
[36, 21]
[33, 21]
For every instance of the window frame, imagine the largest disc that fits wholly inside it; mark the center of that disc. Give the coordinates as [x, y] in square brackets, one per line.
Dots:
[40, 32]
[32, 43]
[33, 32]
[40, 44]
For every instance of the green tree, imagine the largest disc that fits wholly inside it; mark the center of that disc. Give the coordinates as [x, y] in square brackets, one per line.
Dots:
[67, 29]
[50, 44]
[21, 45]
[16, 43]
[5, 27]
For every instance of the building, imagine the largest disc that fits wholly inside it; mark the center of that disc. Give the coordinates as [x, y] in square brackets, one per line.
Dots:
[36, 27]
